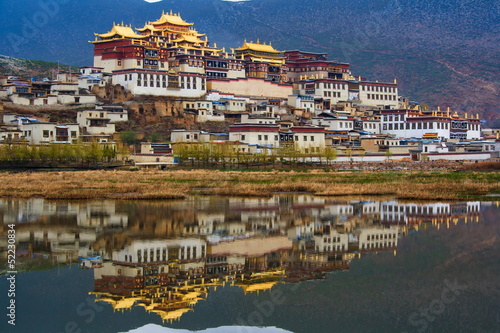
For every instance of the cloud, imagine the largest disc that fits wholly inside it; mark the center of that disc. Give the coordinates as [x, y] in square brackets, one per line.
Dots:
[151, 1]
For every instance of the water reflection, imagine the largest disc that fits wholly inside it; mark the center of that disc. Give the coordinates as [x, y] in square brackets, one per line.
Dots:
[167, 256]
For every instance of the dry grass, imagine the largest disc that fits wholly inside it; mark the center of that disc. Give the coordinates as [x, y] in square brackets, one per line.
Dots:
[179, 184]
[481, 166]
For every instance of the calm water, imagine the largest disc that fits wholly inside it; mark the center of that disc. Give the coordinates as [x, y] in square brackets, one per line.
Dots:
[284, 264]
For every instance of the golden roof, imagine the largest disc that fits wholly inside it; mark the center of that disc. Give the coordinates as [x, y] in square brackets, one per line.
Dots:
[258, 47]
[171, 18]
[149, 27]
[190, 39]
[121, 30]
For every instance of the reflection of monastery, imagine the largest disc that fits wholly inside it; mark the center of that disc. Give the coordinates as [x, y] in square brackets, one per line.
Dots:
[166, 257]
[64, 231]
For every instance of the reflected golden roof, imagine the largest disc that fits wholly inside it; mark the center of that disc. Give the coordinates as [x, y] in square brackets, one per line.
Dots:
[171, 18]
[171, 315]
[258, 47]
[249, 288]
[120, 30]
[121, 304]
[193, 295]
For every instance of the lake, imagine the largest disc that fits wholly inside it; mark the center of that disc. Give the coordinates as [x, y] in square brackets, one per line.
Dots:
[289, 263]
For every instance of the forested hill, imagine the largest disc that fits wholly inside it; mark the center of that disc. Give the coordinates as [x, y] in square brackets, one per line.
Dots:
[443, 52]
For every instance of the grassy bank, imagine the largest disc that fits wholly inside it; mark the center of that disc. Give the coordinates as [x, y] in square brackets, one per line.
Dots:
[179, 184]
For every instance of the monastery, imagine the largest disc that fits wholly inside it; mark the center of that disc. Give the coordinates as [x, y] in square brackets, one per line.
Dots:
[273, 98]
[168, 57]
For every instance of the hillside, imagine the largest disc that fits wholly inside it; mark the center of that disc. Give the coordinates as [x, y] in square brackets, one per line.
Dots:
[443, 52]
[31, 68]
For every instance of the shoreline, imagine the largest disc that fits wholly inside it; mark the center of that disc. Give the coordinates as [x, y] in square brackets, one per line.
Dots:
[178, 184]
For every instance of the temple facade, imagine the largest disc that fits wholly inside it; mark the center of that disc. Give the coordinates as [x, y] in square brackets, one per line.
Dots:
[168, 57]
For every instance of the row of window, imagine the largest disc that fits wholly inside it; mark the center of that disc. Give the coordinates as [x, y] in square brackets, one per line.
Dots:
[439, 125]
[380, 236]
[308, 69]
[334, 248]
[216, 74]
[200, 105]
[395, 118]
[378, 89]
[402, 126]
[369, 126]
[217, 64]
[347, 124]
[416, 209]
[461, 136]
[334, 94]
[381, 97]
[377, 245]
[187, 82]
[331, 240]
[185, 253]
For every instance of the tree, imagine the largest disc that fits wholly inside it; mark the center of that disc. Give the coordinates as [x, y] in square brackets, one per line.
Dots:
[330, 154]
[154, 137]
[129, 137]
[388, 154]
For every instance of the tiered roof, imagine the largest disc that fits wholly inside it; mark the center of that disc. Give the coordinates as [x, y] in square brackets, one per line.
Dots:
[120, 31]
[259, 47]
[171, 18]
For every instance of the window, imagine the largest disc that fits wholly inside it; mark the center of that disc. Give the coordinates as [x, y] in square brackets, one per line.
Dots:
[260, 137]
[243, 137]
[305, 137]
[45, 134]
[312, 138]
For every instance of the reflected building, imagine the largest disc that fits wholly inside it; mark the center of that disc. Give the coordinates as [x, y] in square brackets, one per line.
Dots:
[411, 215]
[168, 256]
[61, 231]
